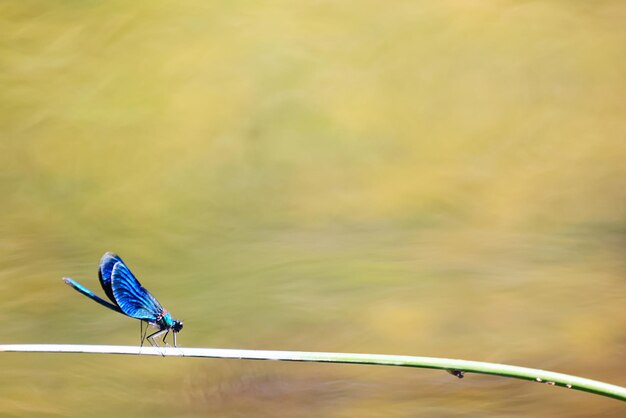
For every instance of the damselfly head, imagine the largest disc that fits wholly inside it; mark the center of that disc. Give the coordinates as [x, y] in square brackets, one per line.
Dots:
[178, 325]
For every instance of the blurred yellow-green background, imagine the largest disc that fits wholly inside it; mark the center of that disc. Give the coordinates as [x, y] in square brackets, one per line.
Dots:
[430, 178]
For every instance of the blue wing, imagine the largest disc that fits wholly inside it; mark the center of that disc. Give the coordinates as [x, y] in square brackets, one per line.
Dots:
[107, 262]
[133, 299]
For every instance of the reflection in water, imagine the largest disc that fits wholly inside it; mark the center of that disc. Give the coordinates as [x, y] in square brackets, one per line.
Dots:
[433, 179]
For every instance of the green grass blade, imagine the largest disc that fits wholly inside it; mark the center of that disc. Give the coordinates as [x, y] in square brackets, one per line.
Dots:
[525, 373]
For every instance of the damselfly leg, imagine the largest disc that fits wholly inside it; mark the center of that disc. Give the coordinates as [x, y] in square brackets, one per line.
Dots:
[152, 337]
[142, 333]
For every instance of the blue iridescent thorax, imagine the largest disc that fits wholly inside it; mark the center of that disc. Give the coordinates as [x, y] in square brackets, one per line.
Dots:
[166, 321]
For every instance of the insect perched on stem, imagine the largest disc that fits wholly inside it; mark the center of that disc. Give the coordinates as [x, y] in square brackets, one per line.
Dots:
[130, 298]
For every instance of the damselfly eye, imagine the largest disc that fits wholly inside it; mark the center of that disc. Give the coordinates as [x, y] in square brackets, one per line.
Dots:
[177, 326]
